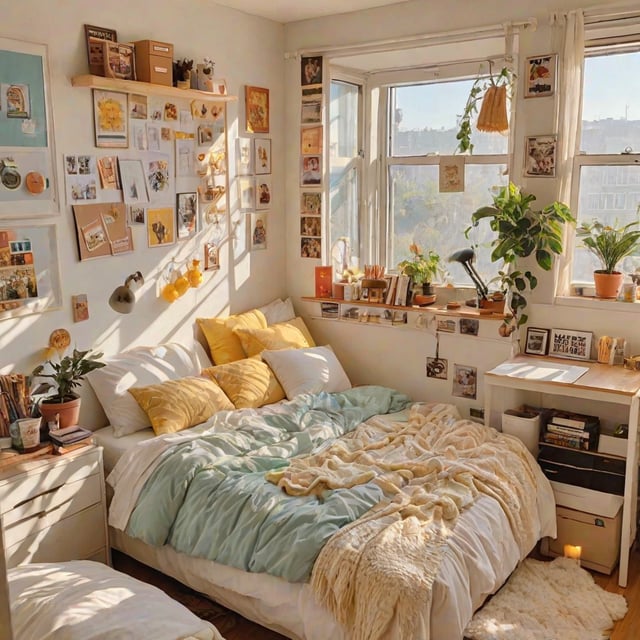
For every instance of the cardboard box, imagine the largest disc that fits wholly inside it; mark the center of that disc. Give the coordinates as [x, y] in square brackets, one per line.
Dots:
[598, 536]
[154, 62]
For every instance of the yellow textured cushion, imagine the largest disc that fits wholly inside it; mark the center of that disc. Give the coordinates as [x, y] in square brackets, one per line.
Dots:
[179, 404]
[278, 336]
[249, 383]
[298, 323]
[224, 345]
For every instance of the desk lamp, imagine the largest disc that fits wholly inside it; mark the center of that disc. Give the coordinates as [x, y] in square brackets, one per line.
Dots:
[123, 299]
[465, 258]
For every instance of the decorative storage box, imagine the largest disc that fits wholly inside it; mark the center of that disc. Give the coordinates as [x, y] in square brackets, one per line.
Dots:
[524, 425]
[598, 535]
[154, 62]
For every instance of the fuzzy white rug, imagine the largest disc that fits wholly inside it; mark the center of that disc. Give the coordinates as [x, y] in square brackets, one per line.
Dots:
[548, 601]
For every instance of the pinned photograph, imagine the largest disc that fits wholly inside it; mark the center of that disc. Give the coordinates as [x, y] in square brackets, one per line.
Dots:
[263, 192]
[310, 173]
[310, 70]
[311, 139]
[446, 326]
[465, 380]
[136, 214]
[310, 248]
[205, 134]
[94, 235]
[311, 105]
[451, 174]
[311, 203]
[137, 106]
[80, 305]
[311, 226]
[469, 326]
[258, 231]
[108, 170]
[263, 155]
[186, 214]
[160, 226]
[540, 156]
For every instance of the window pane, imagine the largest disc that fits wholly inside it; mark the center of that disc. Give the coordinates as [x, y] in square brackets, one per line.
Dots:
[434, 220]
[344, 165]
[611, 194]
[611, 117]
[424, 119]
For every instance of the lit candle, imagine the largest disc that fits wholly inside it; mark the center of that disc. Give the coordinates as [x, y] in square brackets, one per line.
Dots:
[572, 551]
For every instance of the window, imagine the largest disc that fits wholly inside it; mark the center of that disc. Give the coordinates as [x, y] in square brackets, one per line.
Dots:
[422, 126]
[607, 171]
[345, 144]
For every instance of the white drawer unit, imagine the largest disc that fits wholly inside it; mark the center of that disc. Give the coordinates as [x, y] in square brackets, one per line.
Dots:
[53, 509]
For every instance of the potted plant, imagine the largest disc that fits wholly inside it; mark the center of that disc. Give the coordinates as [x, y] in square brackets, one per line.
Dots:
[66, 374]
[182, 71]
[610, 244]
[521, 231]
[421, 268]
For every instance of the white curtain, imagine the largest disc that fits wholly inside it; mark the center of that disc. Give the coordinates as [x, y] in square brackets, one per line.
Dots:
[569, 42]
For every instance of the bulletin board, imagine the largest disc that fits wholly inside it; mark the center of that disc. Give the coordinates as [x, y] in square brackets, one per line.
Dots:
[27, 166]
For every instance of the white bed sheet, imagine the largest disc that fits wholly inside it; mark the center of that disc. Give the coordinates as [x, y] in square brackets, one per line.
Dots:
[113, 447]
[481, 555]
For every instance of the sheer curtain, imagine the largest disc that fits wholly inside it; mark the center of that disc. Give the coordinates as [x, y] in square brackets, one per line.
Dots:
[569, 42]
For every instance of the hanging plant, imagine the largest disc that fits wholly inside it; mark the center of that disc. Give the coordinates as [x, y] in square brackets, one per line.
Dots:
[492, 93]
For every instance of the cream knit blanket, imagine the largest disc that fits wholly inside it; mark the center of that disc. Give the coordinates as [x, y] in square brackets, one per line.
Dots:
[376, 574]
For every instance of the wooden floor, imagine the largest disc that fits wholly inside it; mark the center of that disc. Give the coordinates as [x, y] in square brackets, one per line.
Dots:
[234, 627]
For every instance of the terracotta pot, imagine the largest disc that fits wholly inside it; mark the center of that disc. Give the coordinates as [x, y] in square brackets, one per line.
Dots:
[608, 285]
[68, 412]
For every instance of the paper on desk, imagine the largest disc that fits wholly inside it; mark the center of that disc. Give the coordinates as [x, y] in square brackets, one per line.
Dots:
[541, 370]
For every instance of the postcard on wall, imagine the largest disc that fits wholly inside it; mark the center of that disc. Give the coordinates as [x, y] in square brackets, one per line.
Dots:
[311, 203]
[185, 154]
[311, 139]
[311, 107]
[157, 169]
[310, 248]
[161, 226]
[138, 108]
[110, 115]
[465, 381]
[246, 193]
[540, 156]
[81, 178]
[139, 136]
[80, 306]
[108, 170]
[263, 155]
[257, 109]
[311, 226]
[211, 257]
[310, 170]
[136, 214]
[134, 184]
[451, 174]
[263, 192]
[244, 151]
[310, 70]
[154, 137]
[258, 231]
[186, 215]
[540, 76]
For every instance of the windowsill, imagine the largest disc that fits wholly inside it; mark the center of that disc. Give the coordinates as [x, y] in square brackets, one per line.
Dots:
[590, 302]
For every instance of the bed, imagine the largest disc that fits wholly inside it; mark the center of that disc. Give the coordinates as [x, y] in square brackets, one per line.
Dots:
[336, 458]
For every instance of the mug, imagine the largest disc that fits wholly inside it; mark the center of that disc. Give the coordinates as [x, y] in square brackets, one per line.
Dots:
[25, 434]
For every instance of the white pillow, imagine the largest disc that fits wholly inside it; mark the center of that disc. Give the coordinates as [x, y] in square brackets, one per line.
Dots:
[308, 370]
[278, 311]
[141, 367]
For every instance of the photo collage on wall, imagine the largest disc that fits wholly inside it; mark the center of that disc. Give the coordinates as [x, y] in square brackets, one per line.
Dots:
[311, 145]
[164, 170]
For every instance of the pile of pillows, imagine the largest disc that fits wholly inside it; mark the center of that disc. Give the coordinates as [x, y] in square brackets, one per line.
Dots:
[261, 357]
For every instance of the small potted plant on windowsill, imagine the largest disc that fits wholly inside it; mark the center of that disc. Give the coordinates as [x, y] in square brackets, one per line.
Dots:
[421, 268]
[610, 244]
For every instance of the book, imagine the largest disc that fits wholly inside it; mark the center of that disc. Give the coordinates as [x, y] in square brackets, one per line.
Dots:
[62, 449]
[69, 435]
[392, 281]
[402, 290]
[576, 420]
[566, 441]
[568, 431]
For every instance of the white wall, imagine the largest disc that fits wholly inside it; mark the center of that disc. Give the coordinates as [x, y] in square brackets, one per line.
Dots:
[247, 50]
[398, 357]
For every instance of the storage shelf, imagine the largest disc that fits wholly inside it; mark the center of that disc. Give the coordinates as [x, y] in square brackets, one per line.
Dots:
[462, 312]
[145, 88]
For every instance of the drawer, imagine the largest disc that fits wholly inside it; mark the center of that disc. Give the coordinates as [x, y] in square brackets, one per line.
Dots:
[44, 510]
[46, 476]
[581, 459]
[78, 537]
[580, 477]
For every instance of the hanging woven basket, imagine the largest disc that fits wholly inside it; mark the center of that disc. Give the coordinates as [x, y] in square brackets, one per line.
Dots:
[493, 113]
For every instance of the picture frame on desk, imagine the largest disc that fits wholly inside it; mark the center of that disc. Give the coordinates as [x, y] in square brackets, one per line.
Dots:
[568, 343]
[537, 342]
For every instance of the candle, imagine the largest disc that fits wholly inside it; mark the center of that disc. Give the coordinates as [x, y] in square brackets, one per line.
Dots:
[572, 551]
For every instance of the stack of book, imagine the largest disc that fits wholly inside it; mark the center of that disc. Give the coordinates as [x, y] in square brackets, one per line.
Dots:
[70, 438]
[574, 430]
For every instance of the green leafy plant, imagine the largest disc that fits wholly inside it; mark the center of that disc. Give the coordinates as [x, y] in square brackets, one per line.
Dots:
[66, 374]
[522, 231]
[477, 93]
[420, 267]
[610, 244]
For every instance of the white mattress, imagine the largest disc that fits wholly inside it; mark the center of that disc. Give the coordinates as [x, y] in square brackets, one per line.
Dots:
[113, 447]
[481, 554]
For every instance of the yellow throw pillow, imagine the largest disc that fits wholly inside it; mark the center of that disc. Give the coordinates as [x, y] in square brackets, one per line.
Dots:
[277, 336]
[175, 405]
[298, 323]
[224, 345]
[249, 383]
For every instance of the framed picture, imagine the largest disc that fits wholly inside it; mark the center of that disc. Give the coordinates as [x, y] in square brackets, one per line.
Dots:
[95, 37]
[311, 203]
[262, 148]
[247, 193]
[28, 177]
[257, 109]
[110, 113]
[310, 172]
[258, 231]
[311, 247]
[451, 174]
[537, 341]
[161, 226]
[263, 192]
[244, 156]
[567, 343]
[469, 326]
[133, 181]
[437, 368]
[310, 70]
[540, 156]
[211, 257]
[540, 76]
[186, 215]
[465, 381]
[311, 226]
[311, 139]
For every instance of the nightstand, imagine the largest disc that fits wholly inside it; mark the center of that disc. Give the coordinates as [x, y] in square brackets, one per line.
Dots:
[53, 508]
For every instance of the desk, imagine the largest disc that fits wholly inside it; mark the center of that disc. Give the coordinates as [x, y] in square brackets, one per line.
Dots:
[603, 385]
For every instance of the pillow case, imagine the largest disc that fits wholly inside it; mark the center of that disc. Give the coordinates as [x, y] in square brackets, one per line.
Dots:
[278, 311]
[139, 367]
[224, 345]
[248, 383]
[309, 370]
[175, 405]
[279, 336]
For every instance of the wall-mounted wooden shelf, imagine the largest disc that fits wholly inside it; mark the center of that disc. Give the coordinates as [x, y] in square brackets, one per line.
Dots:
[145, 88]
